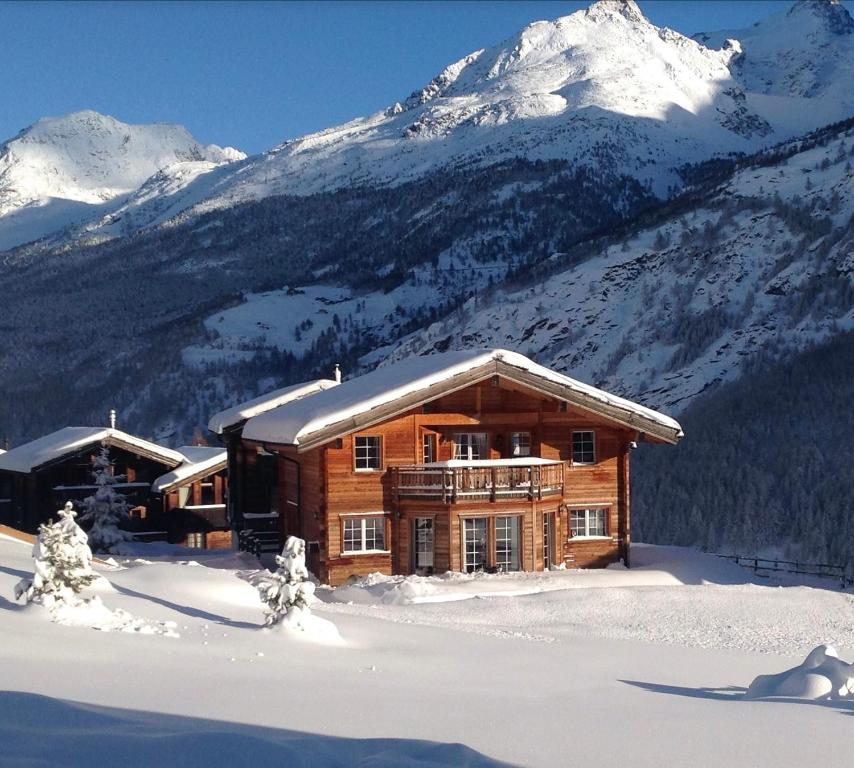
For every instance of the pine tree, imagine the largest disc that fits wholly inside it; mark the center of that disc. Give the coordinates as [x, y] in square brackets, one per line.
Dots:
[63, 562]
[107, 509]
[288, 595]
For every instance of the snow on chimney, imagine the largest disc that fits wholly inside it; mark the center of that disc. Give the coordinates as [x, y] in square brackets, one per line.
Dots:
[337, 374]
[112, 418]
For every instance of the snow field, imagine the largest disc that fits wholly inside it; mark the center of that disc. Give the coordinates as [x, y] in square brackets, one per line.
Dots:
[407, 674]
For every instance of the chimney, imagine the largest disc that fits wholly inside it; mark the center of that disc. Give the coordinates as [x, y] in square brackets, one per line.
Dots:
[112, 418]
[337, 374]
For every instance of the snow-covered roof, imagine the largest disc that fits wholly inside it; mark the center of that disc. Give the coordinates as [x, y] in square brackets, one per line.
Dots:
[221, 421]
[345, 408]
[29, 456]
[200, 461]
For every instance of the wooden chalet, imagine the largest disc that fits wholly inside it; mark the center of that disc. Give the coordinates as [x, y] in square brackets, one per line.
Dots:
[176, 495]
[461, 461]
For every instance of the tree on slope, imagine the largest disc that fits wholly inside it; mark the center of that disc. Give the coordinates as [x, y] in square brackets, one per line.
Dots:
[288, 594]
[107, 509]
[63, 563]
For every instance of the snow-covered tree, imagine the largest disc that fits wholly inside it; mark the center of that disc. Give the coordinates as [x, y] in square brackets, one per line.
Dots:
[63, 562]
[288, 594]
[107, 509]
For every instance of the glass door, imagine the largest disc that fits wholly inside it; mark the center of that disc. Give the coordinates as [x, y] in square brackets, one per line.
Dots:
[423, 545]
[548, 538]
[475, 543]
[507, 543]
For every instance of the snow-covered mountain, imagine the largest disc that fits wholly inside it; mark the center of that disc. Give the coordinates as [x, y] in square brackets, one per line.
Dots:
[66, 169]
[602, 87]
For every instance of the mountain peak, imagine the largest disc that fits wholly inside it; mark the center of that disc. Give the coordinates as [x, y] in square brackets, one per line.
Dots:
[830, 13]
[628, 9]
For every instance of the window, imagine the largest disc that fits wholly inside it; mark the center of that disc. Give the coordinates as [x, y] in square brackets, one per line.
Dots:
[507, 543]
[368, 452]
[548, 538]
[429, 448]
[583, 448]
[475, 544]
[208, 495]
[364, 534]
[520, 444]
[423, 535]
[588, 522]
[470, 446]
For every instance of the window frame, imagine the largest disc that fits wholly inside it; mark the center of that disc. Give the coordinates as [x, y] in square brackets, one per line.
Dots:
[514, 444]
[430, 439]
[606, 514]
[380, 453]
[361, 520]
[582, 463]
[484, 443]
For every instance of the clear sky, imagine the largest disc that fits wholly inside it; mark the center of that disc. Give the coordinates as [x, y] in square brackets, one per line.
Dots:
[251, 75]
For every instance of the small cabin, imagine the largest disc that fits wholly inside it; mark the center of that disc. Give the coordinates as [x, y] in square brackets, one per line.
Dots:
[37, 478]
[461, 461]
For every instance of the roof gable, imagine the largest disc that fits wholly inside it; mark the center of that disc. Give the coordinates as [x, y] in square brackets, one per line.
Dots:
[70, 440]
[385, 392]
[232, 417]
[200, 461]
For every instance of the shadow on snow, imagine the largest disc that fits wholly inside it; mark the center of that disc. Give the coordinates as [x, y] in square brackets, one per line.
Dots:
[40, 730]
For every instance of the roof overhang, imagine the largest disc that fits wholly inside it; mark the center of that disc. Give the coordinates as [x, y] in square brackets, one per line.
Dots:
[625, 417]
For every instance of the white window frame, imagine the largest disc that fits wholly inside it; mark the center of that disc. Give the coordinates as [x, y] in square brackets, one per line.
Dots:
[513, 527]
[572, 447]
[430, 439]
[463, 452]
[358, 524]
[520, 444]
[367, 457]
[587, 527]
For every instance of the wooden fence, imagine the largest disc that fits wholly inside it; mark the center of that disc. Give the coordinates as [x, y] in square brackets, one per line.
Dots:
[820, 570]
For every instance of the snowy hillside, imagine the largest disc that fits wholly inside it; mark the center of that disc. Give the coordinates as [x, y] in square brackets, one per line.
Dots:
[65, 169]
[538, 666]
[660, 314]
[601, 87]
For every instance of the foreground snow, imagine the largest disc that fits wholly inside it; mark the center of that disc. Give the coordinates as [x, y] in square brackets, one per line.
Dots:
[649, 665]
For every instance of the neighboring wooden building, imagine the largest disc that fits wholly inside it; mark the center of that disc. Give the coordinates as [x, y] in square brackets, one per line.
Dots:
[460, 461]
[251, 498]
[37, 478]
[193, 499]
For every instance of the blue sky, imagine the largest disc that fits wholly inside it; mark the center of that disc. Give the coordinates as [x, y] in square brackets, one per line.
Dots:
[253, 74]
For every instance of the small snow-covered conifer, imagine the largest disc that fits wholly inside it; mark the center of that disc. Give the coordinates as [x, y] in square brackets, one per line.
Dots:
[288, 594]
[63, 562]
[106, 509]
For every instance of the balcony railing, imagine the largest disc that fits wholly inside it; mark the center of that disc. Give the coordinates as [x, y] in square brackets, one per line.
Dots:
[478, 481]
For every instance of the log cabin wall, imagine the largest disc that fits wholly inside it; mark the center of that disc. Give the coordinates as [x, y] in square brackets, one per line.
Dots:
[337, 490]
[201, 520]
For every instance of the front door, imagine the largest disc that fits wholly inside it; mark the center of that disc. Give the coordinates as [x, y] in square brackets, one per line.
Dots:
[475, 540]
[422, 545]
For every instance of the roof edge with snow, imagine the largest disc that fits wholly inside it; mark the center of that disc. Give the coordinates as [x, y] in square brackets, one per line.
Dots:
[232, 417]
[384, 393]
[68, 441]
[191, 470]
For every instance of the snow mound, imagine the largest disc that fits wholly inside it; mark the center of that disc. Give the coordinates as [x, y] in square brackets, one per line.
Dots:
[94, 614]
[310, 628]
[652, 566]
[822, 675]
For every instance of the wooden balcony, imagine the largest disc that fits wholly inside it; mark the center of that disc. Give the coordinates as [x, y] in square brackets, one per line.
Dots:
[452, 482]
